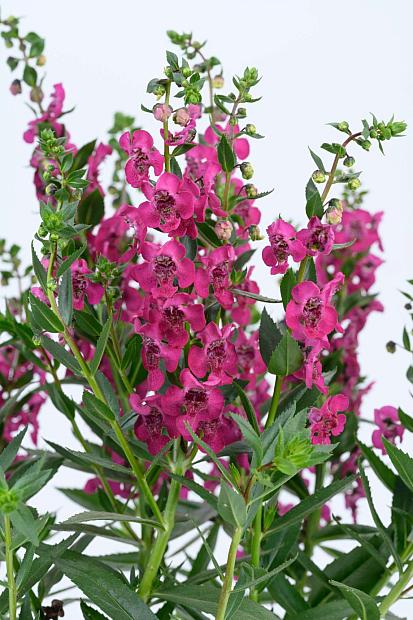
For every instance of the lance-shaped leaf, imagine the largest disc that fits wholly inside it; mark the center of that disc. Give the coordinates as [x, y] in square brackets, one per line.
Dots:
[101, 346]
[39, 270]
[65, 299]
[401, 461]
[363, 604]
[231, 506]
[226, 155]
[70, 260]
[43, 317]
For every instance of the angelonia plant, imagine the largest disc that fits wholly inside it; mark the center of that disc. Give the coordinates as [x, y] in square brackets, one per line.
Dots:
[221, 446]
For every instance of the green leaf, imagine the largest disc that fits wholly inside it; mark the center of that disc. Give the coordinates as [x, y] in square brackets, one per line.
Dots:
[104, 587]
[172, 61]
[226, 155]
[265, 300]
[406, 420]
[334, 148]
[203, 556]
[363, 604]
[317, 160]
[65, 299]
[39, 270]
[286, 358]
[101, 346]
[381, 470]
[377, 521]
[89, 613]
[24, 522]
[70, 260]
[97, 407]
[62, 402]
[44, 317]
[250, 435]
[269, 336]
[83, 155]
[11, 449]
[248, 408]
[203, 493]
[311, 503]
[94, 515]
[314, 205]
[30, 75]
[289, 280]
[231, 506]
[333, 610]
[91, 209]
[60, 354]
[401, 461]
[25, 565]
[25, 610]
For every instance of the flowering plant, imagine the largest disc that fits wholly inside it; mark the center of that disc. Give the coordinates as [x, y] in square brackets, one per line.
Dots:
[198, 415]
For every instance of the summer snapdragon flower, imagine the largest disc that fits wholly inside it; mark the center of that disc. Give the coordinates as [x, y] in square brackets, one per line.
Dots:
[217, 356]
[142, 156]
[283, 244]
[83, 286]
[317, 238]
[387, 420]
[327, 420]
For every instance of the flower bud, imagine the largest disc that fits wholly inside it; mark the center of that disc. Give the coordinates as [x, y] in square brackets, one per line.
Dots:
[343, 126]
[397, 127]
[218, 81]
[391, 346]
[162, 111]
[242, 112]
[51, 189]
[54, 236]
[223, 230]
[349, 161]
[52, 284]
[318, 176]
[168, 72]
[36, 341]
[365, 144]
[41, 61]
[373, 133]
[354, 184]
[334, 215]
[247, 170]
[250, 190]
[186, 71]
[250, 129]
[42, 232]
[255, 233]
[8, 500]
[36, 94]
[193, 96]
[47, 176]
[181, 117]
[408, 306]
[159, 91]
[16, 87]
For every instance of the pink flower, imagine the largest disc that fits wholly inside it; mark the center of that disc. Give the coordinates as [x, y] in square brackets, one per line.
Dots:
[169, 202]
[326, 421]
[361, 227]
[352, 498]
[142, 155]
[216, 356]
[83, 285]
[150, 423]
[364, 274]
[153, 353]
[53, 112]
[309, 314]
[241, 145]
[311, 371]
[387, 419]
[186, 119]
[195, 403]
[119, 237]
[162, 112]
[163, 264]
[283, 244]
[94, 162]
[241, 312]
[218, 266]
[171, 316]
[317, 238]
[219, 432]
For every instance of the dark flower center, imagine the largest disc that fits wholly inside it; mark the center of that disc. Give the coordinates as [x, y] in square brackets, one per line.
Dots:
[195, 401]
[140, 161]
[153, 354]
[312, 311]
[154, 422]
[318, 239]
[174, 317]
[280, 247]
[246, 355]
[164, 269]
[216, 354]
[165, 205]
[219, 276]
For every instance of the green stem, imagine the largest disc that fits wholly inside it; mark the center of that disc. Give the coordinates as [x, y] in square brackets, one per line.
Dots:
[158, 550]
[166, 131]
[256, 547]
[396, 590]
[301, 271]
[10, 569]
[275, 400]
[225, 198]
[229, 575]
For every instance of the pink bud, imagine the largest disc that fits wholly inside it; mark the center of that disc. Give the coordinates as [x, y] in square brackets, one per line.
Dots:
[181, 117]
[162, 112]
[223, 230]
[16, 87]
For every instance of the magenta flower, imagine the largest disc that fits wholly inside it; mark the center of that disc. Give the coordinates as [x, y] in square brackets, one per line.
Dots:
[361, 227]
[217, 356]
[311, 370]
[219, 432]
[387, 419]
[172, 315]
[352, 498]
[309, 314]
[142, 155]
[83, 285]
[119, 237]
[150, 423]
[364, 274]
[241, 145]
[53, 112]
[327, 420]
[317, 238]
[94, 162]
[186, 118]
[163, 265]
[283, 244]
[153, 353]
[169, 202]
[241, 312]
[216, 272]
[192, 404]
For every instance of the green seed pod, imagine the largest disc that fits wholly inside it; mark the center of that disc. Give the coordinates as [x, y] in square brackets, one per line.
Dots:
[354, 184]
[318, 176]
[349, 161]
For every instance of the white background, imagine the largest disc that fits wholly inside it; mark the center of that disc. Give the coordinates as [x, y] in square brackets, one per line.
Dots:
[321, 61]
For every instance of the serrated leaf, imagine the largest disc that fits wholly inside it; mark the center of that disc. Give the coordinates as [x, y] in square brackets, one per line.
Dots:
[24, 522]
[97, 407]
[289, 280]
[286, 358]
[91, 614]
[401, 461]
[10, 451]
[70, 260]
[406, 420]
[250, 435]
[381, 470]
[248, 408]
[269, 336]
[96, 515]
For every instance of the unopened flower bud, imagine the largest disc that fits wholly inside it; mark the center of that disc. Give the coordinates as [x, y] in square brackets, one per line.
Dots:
[250, 190]
[343, 126]
[349, 161]
[159, 91]
[397, 128]
[36, 341]
[186, 71]
[42, 232]
[365, 144]
[242, 112]
[41, 61]
[193, 96]
[218, 81]
[181, 117]
[54, 236]
[16, 87]
[354, 184]
[162, 112]
[168, 72]
[8, 500]
[334, 215]
[52, 284]
[51, 189]
[223, 230]
[318, 176]
[408, 306]
[36, 94]
[247, 170]
[250, 129]
[391, 346]
[8, 43]
[373, 133]
[255, 233]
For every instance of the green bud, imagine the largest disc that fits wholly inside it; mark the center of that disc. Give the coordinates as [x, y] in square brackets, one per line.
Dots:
[52, 283]
[365, 144]
[41, 61]
[250, 130]
[250, 190]
[242, 113]
[8, 500]
[408, 306]
[218, 81]
[343, 126]
[159, 91]
[168, 72]
[255, 233]
[51, 189]
[318, 176]
[186, 71]
[397, 127]
[232, 121]
[349, 161]
[42, 232]
[247, 170]
[391, 346]
[373, 133]
[46, 176]
[36, 341]
[36, 94]
[354, 184]
[54, 236]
